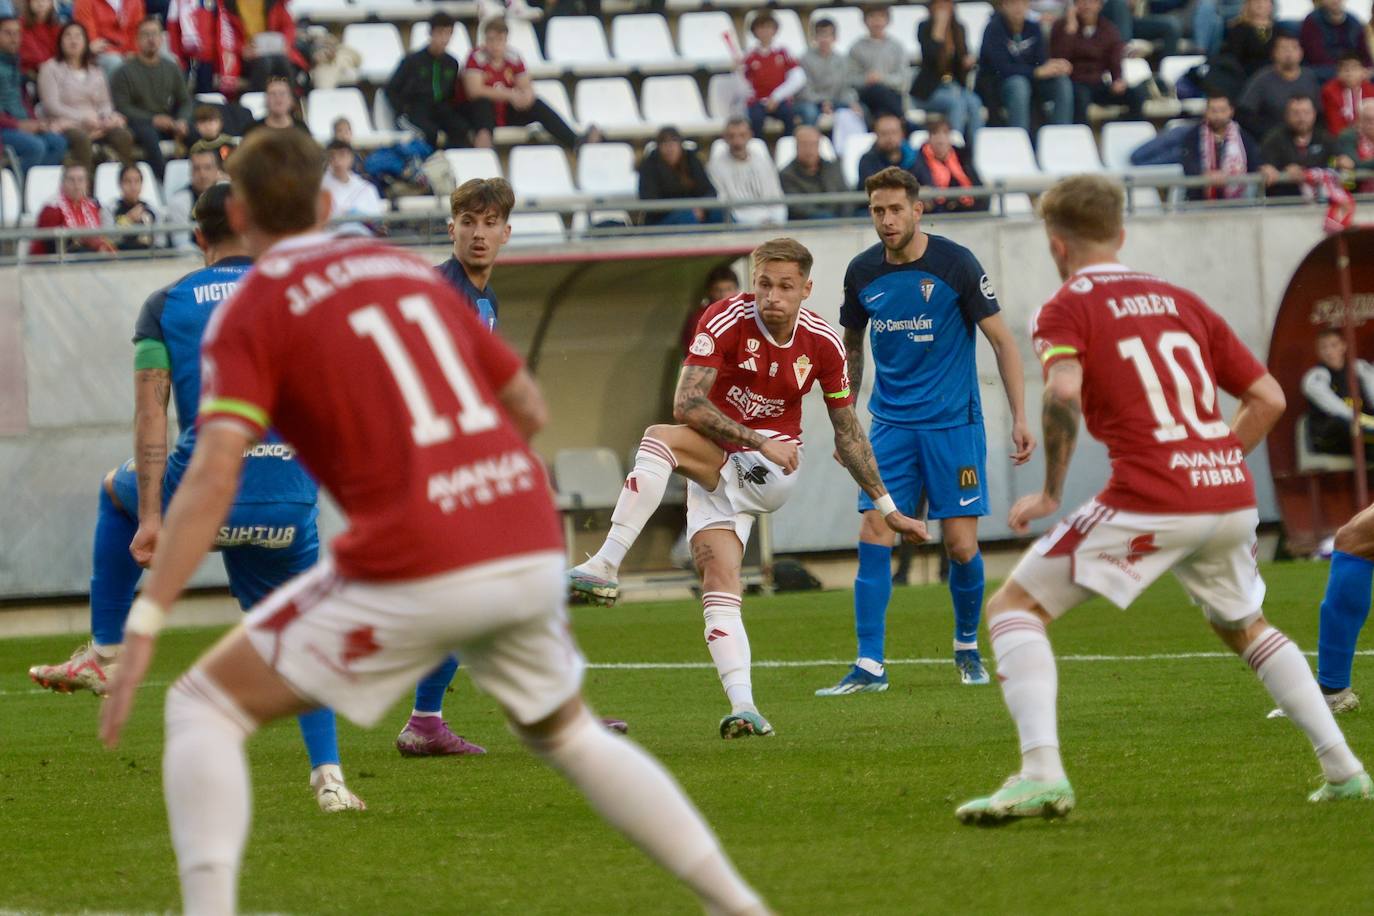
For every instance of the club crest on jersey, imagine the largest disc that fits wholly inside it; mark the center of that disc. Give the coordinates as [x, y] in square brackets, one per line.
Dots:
[927, 287]
[752, 345]
[1082, 285]
[750, 365]
[772, 370]
[702, 345]
[802, 369]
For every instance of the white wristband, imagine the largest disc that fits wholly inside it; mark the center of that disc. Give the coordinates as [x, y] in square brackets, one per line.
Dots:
[883, 504]
[146, 617]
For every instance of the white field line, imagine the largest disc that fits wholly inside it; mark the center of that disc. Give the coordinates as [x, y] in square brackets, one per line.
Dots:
[827, 663]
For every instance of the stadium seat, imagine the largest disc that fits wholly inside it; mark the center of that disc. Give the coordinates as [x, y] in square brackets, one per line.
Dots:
[41, 184]
[791, 34]
[1297, 10]
[553, 93]
[1135, 70]
[676, 100]
[319, 10]
[540, 171]
[723, 96]
[1172, 69]
[10, 207]
[346, 102]
[256, 103]
[105, 186]
[785, 150]
[643, 40]
[460, 45]
[420, 203]
[853, 151]
[849, 24]
[1067, 149]
[905, 19]
[537, 228]
[467, 164]
[379, 45]
[1003, 154]
[585, 480]
[1120, 139]
[918, 138]
[176, 176]
[383, 115]
[610, 104]
[975, 17]
[579, 43]
[705, 38]
[524, 42]
[211, 98]
[607, 170]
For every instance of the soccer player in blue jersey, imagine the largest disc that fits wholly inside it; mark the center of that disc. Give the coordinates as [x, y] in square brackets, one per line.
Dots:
[921, 297]
[269, 535]
[479, 227]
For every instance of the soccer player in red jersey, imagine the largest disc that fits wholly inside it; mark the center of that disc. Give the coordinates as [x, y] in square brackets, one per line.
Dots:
[1142, 361]
[416, 419]
[738, 399]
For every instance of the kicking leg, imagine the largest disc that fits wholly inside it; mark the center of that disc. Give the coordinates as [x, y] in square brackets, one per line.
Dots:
[718, 553]
[211, 711]
[663, 450]
[426, 733]
[966, 593]
[1284, 671]
[636, 795]
[1030, 686]
[114, 578]
[1344, 610]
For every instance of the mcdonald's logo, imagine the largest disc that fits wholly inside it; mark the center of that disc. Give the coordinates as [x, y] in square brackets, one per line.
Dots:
[968, 478]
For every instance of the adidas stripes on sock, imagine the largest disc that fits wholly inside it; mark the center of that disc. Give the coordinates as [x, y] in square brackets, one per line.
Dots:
[729, 648]
[1030, 686]
[643, 491]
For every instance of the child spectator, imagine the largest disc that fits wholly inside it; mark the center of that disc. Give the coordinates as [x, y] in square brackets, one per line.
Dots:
[133, 210]
[209, 123]
[1343, 94]
[774, 77]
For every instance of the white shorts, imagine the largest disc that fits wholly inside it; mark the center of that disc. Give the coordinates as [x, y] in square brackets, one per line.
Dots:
[1116, 554]
[357, 647]
[749, 485]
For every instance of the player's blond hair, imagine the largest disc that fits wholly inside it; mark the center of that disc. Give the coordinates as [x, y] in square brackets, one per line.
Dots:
[1085, 208]
[788, 251]
[276, 175]
[481, 195]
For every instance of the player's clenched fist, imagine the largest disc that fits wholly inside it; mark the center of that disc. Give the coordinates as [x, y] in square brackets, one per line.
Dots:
[911, 529]
[784, 454]
[1029, 508]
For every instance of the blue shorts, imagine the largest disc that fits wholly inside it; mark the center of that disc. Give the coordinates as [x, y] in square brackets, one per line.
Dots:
[948, 466]
[263, 545]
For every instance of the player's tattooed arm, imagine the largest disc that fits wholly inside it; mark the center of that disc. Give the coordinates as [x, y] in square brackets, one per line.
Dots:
[854, 356]
[853, 450]
[692, 405]
[152, 390]
[1060, 413]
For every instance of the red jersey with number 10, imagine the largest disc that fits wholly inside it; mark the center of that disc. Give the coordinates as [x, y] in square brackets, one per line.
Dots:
[384, 380]
[759, 382]
[1153, 356]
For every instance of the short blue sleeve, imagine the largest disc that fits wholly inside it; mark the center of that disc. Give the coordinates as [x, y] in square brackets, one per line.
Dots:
[149, 323]
[977, 298]
[852, 313]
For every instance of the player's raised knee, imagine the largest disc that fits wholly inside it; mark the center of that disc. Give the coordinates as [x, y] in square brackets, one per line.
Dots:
[1356, 537]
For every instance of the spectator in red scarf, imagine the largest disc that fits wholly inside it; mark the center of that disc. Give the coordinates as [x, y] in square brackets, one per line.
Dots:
[1344, 93]
[257, 41]
[192, 32]
[1355, 147]
[1217, 148]
[41, 26]
[939, 165]
[73, 208]
[112, 26]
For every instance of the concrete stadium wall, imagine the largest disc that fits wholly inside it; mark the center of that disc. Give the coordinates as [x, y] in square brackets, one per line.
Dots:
[611, 313]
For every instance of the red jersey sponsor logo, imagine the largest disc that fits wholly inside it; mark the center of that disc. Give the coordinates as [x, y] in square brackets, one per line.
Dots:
[754, 406]
[1141, 546]
[482, 482]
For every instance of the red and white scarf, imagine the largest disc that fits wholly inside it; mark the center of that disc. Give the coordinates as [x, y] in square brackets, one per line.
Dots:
[1340, 205]
[1350, 103]
[83, 214]
[1232, 160]
[947, 174]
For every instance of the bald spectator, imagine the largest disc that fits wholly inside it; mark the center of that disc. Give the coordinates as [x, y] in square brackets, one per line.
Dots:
[811, 173]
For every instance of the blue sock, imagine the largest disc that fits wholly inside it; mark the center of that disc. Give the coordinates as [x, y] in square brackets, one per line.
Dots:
[114, 574]
[872, 591]
[1344, 610]
[966, 589]
[321, 736]
[429, 693]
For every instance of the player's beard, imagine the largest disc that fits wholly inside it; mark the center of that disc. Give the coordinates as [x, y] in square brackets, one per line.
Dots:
[903, 241]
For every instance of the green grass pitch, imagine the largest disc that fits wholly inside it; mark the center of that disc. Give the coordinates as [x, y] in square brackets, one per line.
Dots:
[1190, 801]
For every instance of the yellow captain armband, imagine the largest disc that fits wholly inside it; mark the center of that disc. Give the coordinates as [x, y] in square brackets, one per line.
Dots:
[1052, 352]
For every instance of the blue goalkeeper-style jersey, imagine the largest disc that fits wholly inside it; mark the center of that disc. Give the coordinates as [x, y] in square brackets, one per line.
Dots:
[176, 317]
[922, 318]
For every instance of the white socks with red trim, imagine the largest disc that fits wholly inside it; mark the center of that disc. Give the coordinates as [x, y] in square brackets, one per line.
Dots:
[205, 782]
[729, 647]
[1285, 673]
[644, 488]
[1030, 685]
[637, 796]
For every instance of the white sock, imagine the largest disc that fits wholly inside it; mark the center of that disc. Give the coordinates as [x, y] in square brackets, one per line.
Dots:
[1030, 685]
[637, 796]
[325, 772]
[643, 491]
[205, 782]
[729, 647]
[107, 652]
[415, 713]
[1285, 673]
[872, 666]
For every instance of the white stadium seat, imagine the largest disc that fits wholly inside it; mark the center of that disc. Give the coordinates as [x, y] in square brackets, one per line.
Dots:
[41, 184]
[849, 24]
[643, 39]
[460, 45]
[211, 98]
[1067, 149]
[607, 170]
[1120, 139]
[256, 103]
[556, 97]
[467, 164]
[383, 115]
[10, 206]
[702, 37]
[524, 42]
[610, 104]
[540, 171]
[853, 151]
[105, 187]
[578, 42]
[1135, 70]
[1004, 153]
[535, 228]
[1297, 10]
[676, 100]
[175, 177]
[724, 97]
[918, 138]
[975, 17]
[379, 44]
[905, 19]
[791, 33]
[346, 102]
[786, 150]
[1172, 69]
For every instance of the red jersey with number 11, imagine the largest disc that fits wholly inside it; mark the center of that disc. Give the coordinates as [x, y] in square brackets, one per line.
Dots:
[384, 380]
[1154, 356]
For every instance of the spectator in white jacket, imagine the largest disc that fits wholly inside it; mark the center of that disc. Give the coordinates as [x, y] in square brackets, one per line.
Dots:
[352, 194]
[741, 173]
